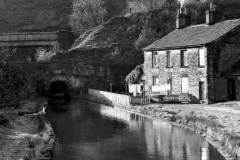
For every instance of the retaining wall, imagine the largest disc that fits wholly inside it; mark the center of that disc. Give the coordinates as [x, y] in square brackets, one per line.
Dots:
[108, 98]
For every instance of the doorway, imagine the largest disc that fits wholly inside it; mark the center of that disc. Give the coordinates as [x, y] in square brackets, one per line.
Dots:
[232, 89]
[185, 87]
[201, 91]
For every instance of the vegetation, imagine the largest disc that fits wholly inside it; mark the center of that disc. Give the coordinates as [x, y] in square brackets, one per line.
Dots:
[121, 39]
[19, 81]
[137, 6]
[36, 15]
[87, 14]
[136, 75]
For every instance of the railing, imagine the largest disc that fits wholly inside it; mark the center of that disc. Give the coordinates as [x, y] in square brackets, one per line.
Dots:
[171, 99]
[140, 100]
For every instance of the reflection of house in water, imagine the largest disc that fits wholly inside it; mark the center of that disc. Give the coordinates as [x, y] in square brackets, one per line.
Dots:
[170, 142]
[134, 121]
[115, 114]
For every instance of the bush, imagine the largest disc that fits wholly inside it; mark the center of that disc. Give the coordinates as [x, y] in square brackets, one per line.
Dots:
[18, 82]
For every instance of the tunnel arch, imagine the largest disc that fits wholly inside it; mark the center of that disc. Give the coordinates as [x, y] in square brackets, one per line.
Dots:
[59, 89]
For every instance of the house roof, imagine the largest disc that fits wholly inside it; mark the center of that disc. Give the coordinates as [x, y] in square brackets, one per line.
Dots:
[195, 35]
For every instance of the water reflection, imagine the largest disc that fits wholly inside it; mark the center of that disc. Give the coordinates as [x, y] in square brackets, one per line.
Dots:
[88, 131]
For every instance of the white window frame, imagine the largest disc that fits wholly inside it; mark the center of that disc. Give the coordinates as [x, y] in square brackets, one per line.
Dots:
[169, 59]
[154, 58]
[201, 57]
[156, 81]
[184, 58]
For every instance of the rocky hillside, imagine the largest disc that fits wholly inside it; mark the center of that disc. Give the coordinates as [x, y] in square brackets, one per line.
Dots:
[119, 41]
[122, 38]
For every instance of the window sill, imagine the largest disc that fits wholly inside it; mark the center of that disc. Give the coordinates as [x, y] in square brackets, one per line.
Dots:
[201, 66]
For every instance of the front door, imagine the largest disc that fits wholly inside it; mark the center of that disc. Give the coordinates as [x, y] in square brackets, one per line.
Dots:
[185, 88]
[201, 91]
[237, 88]
[231, 89]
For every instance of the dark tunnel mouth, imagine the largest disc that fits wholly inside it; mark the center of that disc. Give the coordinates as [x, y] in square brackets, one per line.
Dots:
[59, 90]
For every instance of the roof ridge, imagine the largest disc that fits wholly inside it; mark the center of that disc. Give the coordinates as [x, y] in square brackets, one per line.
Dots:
[195, 35]
[204, 24]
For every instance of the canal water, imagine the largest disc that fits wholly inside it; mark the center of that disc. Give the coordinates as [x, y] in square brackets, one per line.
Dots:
[88, 131]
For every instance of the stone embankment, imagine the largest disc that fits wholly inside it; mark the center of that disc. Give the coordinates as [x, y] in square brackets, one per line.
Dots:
[25, 133]
[219, 123]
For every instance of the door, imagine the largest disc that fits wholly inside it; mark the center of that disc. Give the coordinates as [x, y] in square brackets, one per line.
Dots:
[185, 88]
[201, 91]
[237, 83]
[231, 89]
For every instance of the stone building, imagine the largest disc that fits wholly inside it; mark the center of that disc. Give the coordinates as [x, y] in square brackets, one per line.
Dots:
[201, 61]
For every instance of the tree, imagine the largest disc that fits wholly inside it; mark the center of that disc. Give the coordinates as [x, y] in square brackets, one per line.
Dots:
[87, 14]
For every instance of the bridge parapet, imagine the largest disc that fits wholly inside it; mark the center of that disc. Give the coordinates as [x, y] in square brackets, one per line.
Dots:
[61, 40]
[28, 36]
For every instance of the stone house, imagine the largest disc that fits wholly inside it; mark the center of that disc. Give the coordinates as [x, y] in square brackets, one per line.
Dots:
[202, 61]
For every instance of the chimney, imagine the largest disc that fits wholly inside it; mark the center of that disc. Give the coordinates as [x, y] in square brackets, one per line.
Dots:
[183, 19]
[211, 16]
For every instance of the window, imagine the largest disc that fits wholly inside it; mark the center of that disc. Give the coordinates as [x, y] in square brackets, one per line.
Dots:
[155, 81]
[184, 60]
[169, 61]
[201, 57]
[154, 59]
[169, 82]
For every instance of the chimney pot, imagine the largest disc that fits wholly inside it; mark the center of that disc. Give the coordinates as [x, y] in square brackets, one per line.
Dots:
[211, 15]
[182, 19]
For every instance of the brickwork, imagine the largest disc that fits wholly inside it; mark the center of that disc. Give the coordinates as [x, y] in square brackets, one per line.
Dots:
[221, 73]
[193, 71]
[224, 54]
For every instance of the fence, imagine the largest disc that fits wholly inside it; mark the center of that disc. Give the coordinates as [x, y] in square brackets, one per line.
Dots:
[171, 99]
[140, 100]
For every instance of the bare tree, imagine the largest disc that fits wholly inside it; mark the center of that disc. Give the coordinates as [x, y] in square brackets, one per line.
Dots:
[87, 14]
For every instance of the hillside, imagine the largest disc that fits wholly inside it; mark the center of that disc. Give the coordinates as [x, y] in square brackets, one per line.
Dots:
[47, 15]
[118, 42]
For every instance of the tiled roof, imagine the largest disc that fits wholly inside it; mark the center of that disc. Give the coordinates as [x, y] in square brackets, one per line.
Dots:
[195, 35]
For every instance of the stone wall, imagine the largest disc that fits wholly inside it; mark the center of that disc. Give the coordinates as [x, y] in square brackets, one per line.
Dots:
[75, 74]
[78, 74]
[224, 55]
[193, 71]
[108, 98]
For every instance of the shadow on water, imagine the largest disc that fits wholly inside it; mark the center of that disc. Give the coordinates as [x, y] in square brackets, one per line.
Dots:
[58, 96]
[89, 131]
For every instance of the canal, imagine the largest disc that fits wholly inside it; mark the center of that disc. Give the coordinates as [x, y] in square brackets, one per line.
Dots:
[89, 131]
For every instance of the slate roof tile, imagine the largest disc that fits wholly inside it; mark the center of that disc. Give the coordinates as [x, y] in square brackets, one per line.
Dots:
[195, 35]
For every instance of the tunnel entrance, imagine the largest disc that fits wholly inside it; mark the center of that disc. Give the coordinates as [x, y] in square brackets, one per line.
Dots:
[58, 92]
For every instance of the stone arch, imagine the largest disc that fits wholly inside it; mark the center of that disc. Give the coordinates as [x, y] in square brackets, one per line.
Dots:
[57, 78]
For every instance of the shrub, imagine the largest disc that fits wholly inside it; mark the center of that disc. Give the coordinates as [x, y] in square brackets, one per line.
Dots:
[18, 82]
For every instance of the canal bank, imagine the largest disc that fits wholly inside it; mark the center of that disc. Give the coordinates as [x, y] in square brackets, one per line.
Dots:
[218, 123]
[25, 132]
[88, 130]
